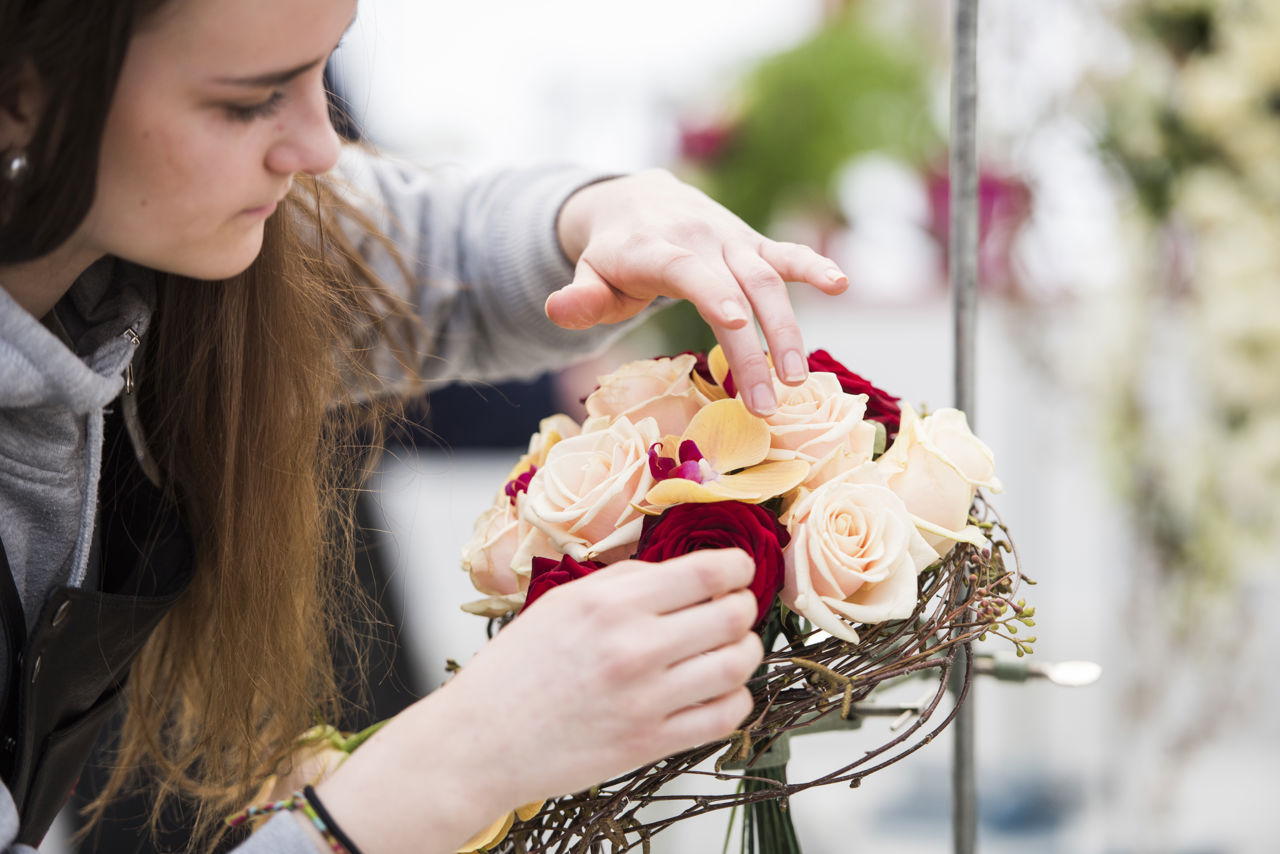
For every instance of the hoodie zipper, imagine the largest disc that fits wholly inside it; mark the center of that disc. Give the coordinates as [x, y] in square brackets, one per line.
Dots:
[134, 340]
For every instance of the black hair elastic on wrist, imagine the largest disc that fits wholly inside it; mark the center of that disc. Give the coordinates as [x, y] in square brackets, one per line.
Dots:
[312, 798]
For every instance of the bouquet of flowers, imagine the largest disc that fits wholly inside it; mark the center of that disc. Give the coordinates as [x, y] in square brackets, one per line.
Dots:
[851, 503]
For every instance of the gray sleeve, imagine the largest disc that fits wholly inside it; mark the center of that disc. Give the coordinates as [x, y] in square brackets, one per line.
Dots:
[482, 257]
[9, 825]
[280, 835]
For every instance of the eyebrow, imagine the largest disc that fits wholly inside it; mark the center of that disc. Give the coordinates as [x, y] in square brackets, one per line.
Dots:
[278, 78]
[271, 78]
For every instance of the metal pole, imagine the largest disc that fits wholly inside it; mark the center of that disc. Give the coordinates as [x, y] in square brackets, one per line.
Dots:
[963, 253]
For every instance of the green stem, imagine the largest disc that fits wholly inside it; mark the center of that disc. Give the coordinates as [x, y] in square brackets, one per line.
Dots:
[766, 824]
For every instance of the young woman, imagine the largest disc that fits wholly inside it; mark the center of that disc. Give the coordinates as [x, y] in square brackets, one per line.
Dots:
[202, 297]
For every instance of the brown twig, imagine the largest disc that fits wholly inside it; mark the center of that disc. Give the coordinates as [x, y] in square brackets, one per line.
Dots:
[800, 680]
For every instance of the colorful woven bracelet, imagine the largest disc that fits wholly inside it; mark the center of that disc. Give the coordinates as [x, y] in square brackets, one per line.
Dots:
[314, 800]
[309, 805]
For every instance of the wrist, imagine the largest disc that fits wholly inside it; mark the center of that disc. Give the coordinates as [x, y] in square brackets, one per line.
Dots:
[418, 784]
[573, 223]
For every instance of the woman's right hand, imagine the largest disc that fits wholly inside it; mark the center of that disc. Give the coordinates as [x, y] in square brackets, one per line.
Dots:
[632, 663]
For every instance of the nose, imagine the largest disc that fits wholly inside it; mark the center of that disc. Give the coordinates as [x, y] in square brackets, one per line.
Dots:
[308, 142]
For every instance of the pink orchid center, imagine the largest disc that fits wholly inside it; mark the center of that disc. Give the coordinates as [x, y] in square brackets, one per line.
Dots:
[519, 484]
[689, 465]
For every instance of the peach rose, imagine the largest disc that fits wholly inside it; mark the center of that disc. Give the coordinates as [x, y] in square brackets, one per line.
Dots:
[854, 554]
[499, 557]
[818, 423]
[487, 555]
[551, 430]
[650, 388]
[583, 498]
[936, 466]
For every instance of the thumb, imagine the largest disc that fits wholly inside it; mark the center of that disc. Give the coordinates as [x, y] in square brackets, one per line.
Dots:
[582, 303]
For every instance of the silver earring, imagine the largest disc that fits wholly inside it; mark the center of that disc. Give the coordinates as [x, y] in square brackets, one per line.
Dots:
[15, 168]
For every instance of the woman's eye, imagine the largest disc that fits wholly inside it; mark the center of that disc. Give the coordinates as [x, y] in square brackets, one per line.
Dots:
[262, 109]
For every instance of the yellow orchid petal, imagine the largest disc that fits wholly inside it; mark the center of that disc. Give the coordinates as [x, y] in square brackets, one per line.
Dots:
[718, 364]
[767, 479]
[528, 811]
[707, 389]
[669, 446]
[647, 509]
[751, 486]
[728, 436]
[677, 490]
[490, 836]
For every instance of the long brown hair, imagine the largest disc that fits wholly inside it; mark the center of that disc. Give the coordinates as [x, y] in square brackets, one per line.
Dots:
[75, 50]
[261, 412]
[258, 404]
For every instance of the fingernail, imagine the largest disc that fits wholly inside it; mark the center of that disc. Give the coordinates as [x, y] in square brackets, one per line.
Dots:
[732, 311]
[835, 277]
[794, 367]
[762, 399]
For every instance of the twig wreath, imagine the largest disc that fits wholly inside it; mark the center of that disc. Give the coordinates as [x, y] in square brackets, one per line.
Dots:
[877, 557]
[810, 678]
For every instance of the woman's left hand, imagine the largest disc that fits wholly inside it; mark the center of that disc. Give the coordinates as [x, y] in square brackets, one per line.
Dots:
[648, 235]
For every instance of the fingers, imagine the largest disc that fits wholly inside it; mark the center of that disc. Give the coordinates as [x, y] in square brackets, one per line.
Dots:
[726, 305]
[649, 235]
[711, 288]
[709, 721]
[762, 272]
[767, 292]
[669, 586]
[707, 625]
[702, 678]
[796, 263]
[751, 280]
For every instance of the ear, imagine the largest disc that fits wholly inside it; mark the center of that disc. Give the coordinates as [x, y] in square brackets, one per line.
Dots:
[21, 105]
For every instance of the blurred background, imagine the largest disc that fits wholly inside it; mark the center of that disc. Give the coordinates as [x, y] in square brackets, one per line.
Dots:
[1128, 373]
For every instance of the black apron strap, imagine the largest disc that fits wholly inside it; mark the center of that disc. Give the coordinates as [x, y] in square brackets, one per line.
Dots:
[13, 636]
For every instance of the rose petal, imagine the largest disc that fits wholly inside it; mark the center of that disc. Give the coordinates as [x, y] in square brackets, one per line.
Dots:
[495, 606]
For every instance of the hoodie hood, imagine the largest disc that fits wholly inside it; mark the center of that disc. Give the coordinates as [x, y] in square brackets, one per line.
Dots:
[39, 369]
[52, 396]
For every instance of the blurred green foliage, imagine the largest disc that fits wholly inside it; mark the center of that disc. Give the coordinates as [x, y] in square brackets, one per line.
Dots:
[846, 91]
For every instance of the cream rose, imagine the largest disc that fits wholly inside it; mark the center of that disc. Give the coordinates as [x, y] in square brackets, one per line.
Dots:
[936, 466]
[854, 554]
[499, 557]
[487, 555]
[650, 388]
[551, 430]
[819, 423]
[583, 498]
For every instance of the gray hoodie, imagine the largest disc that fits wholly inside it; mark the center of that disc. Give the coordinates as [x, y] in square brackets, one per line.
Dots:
[485, 255]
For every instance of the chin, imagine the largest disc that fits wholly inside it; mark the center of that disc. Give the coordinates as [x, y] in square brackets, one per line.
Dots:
[221, 262]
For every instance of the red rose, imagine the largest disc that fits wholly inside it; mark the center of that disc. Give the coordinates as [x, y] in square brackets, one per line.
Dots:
[548, 573]
[881, 406]
[721, 525]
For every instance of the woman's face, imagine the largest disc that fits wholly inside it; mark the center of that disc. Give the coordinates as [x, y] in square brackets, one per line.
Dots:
[219, 104]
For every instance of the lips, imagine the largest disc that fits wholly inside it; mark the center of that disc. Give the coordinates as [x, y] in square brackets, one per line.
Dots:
[270, 207]
[264, 210]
